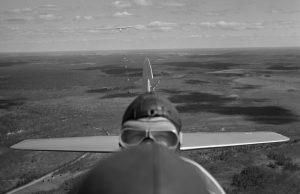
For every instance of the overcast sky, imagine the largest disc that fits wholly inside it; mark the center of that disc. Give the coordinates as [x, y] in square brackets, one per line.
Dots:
[51, 25]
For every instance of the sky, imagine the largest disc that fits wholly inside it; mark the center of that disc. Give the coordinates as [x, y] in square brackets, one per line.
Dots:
[65, 25]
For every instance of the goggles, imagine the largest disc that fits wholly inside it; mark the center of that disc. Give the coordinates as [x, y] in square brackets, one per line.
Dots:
[133, 137]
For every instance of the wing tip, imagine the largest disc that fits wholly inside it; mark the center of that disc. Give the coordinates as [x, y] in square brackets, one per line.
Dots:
[19, 145]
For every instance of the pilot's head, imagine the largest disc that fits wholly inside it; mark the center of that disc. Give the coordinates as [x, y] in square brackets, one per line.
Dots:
[151, 118]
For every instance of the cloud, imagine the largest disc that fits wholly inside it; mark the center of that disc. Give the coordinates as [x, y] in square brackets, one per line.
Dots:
[222, 12]
[143, 2]
[200, 36]
[173, 4]
[49, 7]
[159, 23]
[49, 17]
[123, 14]
[21, 10]
[232, 25]
[281, 11]
[17, 20]
[140, 27]
[283, 24]
[275, 11]
[87, 17]
[164, 26]
[121, 4]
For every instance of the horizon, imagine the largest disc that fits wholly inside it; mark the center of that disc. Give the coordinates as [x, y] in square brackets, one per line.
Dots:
[153, 50]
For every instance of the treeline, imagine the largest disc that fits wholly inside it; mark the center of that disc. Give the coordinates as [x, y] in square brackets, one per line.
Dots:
[273, 178]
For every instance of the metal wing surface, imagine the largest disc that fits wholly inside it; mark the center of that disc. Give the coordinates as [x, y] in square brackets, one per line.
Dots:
[71, 144]
[190, 141]
[201, 140]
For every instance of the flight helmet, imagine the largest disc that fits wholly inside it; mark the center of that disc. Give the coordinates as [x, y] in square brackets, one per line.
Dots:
[151, 105]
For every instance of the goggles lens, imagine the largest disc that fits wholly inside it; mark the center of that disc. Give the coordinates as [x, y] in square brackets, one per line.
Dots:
[167, 138]
[132, 137]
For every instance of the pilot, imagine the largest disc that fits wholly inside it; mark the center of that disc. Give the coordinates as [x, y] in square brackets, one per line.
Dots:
[151, 118]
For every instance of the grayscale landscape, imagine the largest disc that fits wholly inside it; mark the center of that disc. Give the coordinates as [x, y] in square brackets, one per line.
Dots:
[63, 94]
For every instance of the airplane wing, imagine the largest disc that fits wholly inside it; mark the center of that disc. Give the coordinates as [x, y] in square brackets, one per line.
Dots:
[201, 140]
[72, 144]
[190, 141]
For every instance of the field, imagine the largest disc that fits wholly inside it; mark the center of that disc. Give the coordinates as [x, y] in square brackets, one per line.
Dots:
[85, 93]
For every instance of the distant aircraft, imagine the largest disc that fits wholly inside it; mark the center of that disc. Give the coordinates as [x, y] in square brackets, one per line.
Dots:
[152, 118]
[119, 28]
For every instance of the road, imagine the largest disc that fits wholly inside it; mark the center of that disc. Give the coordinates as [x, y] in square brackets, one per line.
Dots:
[47, 176]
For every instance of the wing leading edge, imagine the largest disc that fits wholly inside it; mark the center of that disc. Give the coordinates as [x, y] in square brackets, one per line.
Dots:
[71, 144]
[202, 140]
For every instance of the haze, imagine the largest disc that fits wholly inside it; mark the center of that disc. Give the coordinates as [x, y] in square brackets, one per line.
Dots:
[65, 25]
